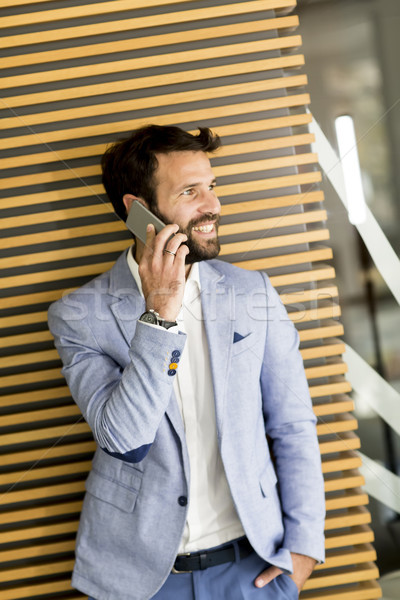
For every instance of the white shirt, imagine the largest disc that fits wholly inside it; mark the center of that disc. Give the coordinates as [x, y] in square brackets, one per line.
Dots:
[212, 518]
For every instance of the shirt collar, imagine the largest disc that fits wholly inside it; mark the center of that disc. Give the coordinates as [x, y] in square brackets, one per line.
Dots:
[194, 274]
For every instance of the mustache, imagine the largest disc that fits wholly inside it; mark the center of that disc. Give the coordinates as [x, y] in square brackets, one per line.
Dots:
[204, 220]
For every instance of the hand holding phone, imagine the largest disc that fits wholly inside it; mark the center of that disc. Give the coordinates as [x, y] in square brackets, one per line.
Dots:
[139, 217]
[161, 262]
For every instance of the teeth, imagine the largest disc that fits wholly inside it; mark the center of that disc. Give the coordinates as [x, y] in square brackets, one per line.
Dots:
[204, 228]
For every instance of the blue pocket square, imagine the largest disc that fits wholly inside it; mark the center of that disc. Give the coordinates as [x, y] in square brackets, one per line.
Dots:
[237, 337]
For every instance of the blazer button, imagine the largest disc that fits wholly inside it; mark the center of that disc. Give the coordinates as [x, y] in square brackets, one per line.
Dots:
[175, 353]
[182, 500]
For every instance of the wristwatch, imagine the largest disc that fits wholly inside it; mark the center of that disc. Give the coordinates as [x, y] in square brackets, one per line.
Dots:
[152, 317]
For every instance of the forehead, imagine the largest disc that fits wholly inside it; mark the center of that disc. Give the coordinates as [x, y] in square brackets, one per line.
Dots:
[182, 168]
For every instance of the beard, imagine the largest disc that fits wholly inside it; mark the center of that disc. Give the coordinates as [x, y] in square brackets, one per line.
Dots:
[206, 250]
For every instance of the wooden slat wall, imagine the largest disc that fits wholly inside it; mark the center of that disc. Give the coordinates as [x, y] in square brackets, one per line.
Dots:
[73, 79]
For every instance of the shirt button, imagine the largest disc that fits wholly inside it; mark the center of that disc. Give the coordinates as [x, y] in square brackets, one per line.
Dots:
[175, 353]
[182, 500]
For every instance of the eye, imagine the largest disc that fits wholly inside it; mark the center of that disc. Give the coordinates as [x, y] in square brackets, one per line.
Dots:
[188, 192]
[212, 186]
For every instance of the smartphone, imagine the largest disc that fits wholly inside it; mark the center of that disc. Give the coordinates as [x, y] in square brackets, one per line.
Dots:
[139, 217]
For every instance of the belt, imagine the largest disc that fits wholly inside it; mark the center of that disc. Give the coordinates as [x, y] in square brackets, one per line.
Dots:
[186, 563]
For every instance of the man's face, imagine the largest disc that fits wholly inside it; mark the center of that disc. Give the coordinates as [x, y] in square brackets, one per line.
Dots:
[185, 195]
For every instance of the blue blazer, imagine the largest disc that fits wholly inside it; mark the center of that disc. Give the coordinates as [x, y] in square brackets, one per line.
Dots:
[118, 372]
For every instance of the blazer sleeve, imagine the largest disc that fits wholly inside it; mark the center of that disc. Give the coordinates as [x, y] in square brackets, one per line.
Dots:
[122, 406]
[291, 427]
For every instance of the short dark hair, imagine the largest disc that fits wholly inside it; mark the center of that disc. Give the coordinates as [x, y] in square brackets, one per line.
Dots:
[128, 166]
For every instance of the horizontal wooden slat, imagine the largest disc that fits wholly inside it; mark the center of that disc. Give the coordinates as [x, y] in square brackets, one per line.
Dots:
[55, 275]
[45, 433]
[36, 589]
[363, 591]
[229, 189]
[300, 277]
[342, 576]
[343, 422]
[326, 292]
[346, 499]
[28, 358]
[186, 16]
[334, 407]
[15, 321]
[13, 3]
[26, 572]
[41, 512]
[49, 491]
[337, 367]
[30, 377]
[354, 516]
[222, 171]
[57, 451]
[25, 338]
[55, 196]
[57, 216]
[346, 480]
[347, 556]
[37, 258]
[360, 534]
[286, 259]
[29, 299]
[325, 350]
[339, 387]
[346, 460]
[40, 415]
[102, 8]
[93, 270]
[98, 149]
[345, 441]
[114, 128]
[142, 62]
[150, 41]
[286, 220]
[314, 274]
[39, 531]
[312, 314]
[247, 206]
[45, 472]
[69, 233]
[34, 396]
[37, 550]
[264, 243]
[54, 15]
[326, 331]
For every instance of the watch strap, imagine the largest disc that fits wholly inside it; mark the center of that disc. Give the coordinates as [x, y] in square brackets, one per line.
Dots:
[151, 316]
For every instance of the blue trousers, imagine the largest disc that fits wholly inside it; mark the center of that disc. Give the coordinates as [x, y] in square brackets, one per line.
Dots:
[230, 581]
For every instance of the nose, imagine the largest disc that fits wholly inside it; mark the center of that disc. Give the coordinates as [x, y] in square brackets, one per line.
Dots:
[210, 203]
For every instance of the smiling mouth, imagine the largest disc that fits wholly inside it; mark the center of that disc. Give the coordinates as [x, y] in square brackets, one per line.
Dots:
[204, 228]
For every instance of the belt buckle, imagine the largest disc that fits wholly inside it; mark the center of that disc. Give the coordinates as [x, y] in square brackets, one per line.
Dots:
[175, 571]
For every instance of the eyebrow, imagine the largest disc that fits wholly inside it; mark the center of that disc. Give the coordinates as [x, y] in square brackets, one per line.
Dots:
[190, 185]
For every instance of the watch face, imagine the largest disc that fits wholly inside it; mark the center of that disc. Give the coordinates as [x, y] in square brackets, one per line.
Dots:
[149, 317]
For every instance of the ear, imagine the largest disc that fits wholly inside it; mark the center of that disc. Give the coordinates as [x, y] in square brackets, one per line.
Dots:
[128, 199]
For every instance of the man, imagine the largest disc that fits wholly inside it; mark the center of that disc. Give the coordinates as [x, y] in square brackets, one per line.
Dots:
[181, 364]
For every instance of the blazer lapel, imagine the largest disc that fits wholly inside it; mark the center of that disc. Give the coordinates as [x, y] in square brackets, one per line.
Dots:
[217, 304]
